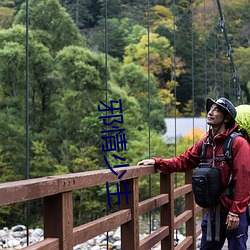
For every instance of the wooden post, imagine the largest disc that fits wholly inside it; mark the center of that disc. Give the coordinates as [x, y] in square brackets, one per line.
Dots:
[167, 210]
[58, 219]
[130, 230]
[190, 205]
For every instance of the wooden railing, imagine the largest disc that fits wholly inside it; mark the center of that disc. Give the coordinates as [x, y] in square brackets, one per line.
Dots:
[59, 232]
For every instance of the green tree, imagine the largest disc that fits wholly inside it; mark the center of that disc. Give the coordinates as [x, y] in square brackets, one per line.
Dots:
[117, 32]
[84, 13]
[6, 17]
[53, 25]
[242, 64]
[135, 81]
[161, 57]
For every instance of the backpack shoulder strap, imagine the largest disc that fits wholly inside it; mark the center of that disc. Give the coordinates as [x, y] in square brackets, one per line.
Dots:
[203, 152]
[227, 148]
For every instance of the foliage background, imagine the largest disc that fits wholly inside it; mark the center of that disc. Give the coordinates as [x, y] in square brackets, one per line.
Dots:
[82, 51]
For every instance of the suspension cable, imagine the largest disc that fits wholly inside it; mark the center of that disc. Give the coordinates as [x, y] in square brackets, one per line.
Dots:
[174, 75]
[229, 53]
[175, 95]
[27, 207]
[215, 51]
[205, 50]
[106, 84]
[192, 76]
[149, 121]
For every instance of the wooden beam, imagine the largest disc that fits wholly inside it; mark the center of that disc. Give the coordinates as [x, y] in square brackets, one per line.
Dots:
[190, 205]
[167, 210]
[152, 203]
[46, 244]
[154, 238]
[58, 219]
[90, 230]
[98, 177]
[182, 218]
[178, 192]
[130, 230]
[24, 190]
[185, 244]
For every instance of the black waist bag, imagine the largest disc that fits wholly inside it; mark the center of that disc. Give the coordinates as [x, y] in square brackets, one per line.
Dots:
[206, 182]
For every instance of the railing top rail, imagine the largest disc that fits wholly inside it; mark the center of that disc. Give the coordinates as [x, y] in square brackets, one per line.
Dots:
[24, 190]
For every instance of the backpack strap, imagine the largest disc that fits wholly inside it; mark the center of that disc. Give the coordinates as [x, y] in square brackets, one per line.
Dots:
[227, 148]
[203, 152]
[227, 151]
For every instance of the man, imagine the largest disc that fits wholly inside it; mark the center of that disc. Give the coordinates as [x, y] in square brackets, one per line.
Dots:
[221, 115]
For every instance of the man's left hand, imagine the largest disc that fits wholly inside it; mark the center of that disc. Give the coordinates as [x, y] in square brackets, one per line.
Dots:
[232, 222]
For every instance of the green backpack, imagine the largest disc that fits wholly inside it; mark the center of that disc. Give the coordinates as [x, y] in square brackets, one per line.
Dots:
[243, 120]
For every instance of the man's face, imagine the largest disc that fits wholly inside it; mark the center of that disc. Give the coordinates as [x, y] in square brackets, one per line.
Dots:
[215, 116]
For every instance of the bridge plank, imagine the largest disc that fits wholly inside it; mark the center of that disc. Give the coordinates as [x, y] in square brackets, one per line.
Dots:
[24, 190]
[185, 189]
[182, 218]
[19, 191]
[154, 238]
[58, 219]
[130, 230]
[98, 177]
[152, 203]
[46, 244]
[185, 244]
[91, 229]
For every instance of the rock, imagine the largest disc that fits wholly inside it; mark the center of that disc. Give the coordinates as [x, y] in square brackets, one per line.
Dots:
[103, 243]
[18, 228]
[117, 244]
[16, 238]
[100, 238]
[117, 235]
[111, 233]
[3, 233]
[13, 243]
[111, 240]
[38, 232]
[95, 248]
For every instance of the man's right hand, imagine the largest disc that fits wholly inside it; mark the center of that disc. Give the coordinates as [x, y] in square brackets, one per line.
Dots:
[146, 162]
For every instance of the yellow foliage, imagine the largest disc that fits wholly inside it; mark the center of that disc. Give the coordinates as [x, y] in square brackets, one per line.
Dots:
[166, 96]
[172, 84]
[6, 17]
[203, 114]
[161, 15]
[195, 134]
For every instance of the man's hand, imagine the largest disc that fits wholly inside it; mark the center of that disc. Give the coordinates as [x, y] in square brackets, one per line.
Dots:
[232, 221]
[146, 162]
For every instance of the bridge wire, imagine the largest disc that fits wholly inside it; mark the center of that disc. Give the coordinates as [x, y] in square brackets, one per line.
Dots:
[192, 76]
[27, 206]
[175, 95]
[205, 48]
[149, 121]
[106, 92]
[215, 51]
[222, 68]
[229, 55]
[77, 13]
[174, 76]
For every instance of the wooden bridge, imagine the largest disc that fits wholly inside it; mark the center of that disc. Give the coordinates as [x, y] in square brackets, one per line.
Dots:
[59, 233]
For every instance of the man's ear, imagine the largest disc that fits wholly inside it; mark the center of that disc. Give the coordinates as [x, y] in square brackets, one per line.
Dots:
[228, 118]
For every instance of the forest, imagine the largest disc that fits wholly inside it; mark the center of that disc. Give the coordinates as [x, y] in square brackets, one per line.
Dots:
[161, 58]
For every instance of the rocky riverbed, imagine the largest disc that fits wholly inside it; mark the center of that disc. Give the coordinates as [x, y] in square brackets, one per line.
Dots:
[16, 238]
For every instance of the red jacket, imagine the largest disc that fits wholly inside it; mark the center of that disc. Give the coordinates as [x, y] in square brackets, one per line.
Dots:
[241, 167]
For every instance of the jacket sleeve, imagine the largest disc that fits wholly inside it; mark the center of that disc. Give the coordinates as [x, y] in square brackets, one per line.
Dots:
[183, 163]
[241, 175]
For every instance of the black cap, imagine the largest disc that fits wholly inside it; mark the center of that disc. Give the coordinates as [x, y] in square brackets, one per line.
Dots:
[223, 103]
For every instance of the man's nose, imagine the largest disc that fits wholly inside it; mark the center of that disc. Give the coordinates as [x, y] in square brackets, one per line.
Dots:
[211, 111]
